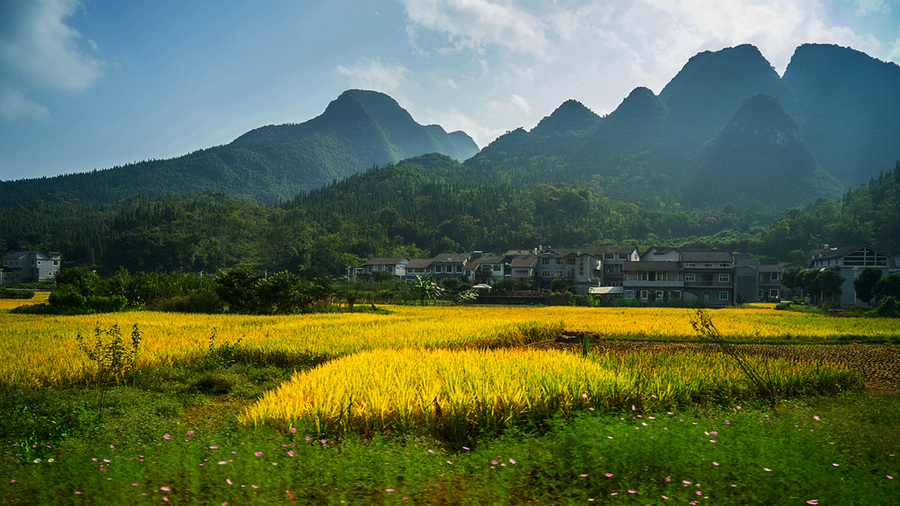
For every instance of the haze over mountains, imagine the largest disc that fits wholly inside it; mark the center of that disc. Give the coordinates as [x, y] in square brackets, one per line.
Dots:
[725, 129]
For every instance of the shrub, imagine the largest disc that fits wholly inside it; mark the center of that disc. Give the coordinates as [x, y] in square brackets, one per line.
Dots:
[6, 293]
[888, 308]
[197, 302]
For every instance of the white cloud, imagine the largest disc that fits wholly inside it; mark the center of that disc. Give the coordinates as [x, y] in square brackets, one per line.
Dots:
[515, 104]
[372, 74]
[895, 52]
[13, 105]
[454, 120]
[478, 23]
[37, 44]
[867, 6]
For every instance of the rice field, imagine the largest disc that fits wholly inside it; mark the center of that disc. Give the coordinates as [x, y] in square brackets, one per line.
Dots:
[42, 351]
[458, 394]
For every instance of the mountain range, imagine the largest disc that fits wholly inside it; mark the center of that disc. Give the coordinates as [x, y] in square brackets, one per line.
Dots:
[269, 164]
[725, 129]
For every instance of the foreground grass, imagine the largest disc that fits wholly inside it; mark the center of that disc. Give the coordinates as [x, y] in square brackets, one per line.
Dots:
[805, 451]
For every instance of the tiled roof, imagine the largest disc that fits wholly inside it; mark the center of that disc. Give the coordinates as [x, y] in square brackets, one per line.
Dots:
[705, 256]
[418, 263]
[456, 258]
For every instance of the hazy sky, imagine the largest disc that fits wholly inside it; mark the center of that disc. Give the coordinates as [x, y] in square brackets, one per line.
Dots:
[90, 84]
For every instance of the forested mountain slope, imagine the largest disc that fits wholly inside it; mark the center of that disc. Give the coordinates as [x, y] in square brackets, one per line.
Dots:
[266, 165]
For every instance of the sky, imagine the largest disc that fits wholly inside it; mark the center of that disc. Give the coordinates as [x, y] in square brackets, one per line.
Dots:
[93, 84]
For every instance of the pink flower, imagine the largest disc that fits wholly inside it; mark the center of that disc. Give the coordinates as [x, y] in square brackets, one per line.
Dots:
[190, 433]
[609, 475]
[767, 469]
[258, 454]
[715, 463]
[389, 490]
[291, 453]
[165, 489]
[812, 501]
[166, 436]
[511, 461]
[293, 430]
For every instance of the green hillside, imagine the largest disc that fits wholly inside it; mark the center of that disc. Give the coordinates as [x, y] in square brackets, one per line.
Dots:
[267, 165]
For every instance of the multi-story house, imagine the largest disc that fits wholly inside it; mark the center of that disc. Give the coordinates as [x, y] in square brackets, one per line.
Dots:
[448, 265]
[653, 280]
[709, 276]
[850, 261]
[396, 267]
[485, 270]
[33, 265]
[418, 267]
[612, 259]
[770, 283]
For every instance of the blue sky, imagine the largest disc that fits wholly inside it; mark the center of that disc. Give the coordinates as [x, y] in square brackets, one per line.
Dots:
[91, 84]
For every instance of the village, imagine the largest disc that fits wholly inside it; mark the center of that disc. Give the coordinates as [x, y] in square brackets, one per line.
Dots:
[717, 278]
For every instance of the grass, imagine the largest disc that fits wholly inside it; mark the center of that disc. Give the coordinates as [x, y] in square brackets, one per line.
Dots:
[171, 432]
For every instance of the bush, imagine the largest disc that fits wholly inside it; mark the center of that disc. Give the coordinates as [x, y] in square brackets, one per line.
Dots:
[6, 293]
[197, 302]
[888, 308]
[112, 304]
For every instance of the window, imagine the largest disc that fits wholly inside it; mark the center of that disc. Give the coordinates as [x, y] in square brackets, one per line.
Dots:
[658, 294]
[459, 268]
[707, 264]
[570, 261]
[676, 294]
[644, 294]
[496, 268]
[690, 277]
[723, 295]
[645, 276]
[545, 261]
[773, 293]
[545, 274]
[724, 264]
[760, 293]
[690, 264]
[632, 276]
[774, 276]
[629, 294]
[724, 278]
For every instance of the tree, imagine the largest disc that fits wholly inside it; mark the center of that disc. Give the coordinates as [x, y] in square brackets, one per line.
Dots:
[558, 285]
[864, 283]
[888, 286]
[78, 280]
[792, 278]
[236, 287]
[827, 282]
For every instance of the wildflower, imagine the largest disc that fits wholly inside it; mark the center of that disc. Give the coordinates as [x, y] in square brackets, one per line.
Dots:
[293, 430]
[664, 497]
[632, 491]
[767, 469]
[835, 464]
[290, 495]
[511, 461]
[889, 477]
[389, 490]
[37, 461]
[166, 436]
[258, 454]
[715, 463]
[228, 481]
[494, 462]
[815, 417]
[291, 453]
[584, 476]
[213, 447]
[584, 396]
[812, 501]
[609, 475]
[165, 489]
[190, 433]
[222, 462]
